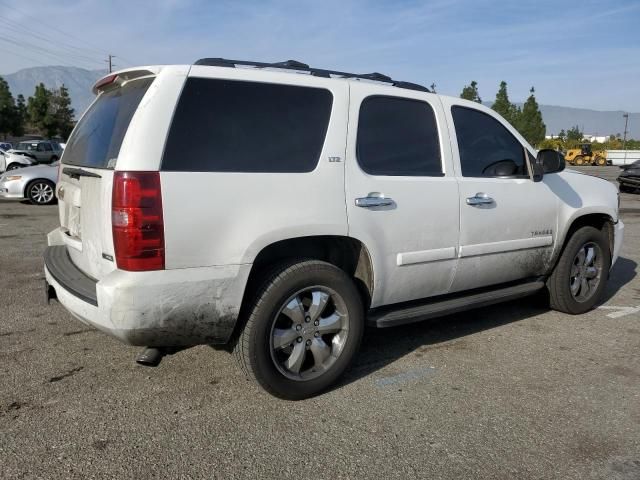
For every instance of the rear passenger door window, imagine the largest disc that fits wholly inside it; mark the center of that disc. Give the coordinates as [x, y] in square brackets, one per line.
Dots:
[239, 126]
[487, 148]
[398, 137]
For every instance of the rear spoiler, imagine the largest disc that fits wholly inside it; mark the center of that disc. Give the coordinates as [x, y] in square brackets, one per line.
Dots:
[118, 78]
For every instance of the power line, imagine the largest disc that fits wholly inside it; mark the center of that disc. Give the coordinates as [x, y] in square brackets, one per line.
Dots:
[23, 29]
[48, 52]
[67, 34]
[20, 55]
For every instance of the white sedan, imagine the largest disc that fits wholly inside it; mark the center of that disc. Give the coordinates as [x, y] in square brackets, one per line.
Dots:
[36, 184]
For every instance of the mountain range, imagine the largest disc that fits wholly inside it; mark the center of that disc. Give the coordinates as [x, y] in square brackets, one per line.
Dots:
[79, 82]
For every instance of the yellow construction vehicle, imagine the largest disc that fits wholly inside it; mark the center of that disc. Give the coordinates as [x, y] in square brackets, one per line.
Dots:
[584, 156]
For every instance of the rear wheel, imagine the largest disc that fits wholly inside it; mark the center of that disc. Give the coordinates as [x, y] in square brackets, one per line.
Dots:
[41, 192]
[578, 160]
[580, 276]
[303, 329]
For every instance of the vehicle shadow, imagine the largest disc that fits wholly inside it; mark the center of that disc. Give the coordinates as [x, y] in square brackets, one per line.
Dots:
[623, 272]
[381, 347]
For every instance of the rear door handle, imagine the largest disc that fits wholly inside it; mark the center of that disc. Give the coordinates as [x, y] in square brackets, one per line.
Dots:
[373, 201]
[479, 199]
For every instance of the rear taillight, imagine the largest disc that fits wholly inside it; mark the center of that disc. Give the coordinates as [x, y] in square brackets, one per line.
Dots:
[136, 220]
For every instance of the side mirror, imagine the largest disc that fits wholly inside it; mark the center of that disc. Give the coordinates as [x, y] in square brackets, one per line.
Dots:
[538, 171]
[550, 160]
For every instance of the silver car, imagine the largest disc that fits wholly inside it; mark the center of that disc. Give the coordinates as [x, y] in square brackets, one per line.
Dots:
[36, 184]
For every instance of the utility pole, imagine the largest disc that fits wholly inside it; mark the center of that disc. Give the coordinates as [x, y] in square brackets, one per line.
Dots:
[624, 137]
[110, 62]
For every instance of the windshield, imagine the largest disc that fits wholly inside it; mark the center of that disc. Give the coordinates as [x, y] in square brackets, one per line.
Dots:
[96, 140]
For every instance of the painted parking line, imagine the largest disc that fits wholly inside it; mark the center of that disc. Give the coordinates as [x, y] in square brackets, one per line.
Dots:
[404, 377]
[619, 311]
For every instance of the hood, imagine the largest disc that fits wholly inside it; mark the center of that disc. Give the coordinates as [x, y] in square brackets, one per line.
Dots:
[34, 170]
[19, 152]
[631, 172]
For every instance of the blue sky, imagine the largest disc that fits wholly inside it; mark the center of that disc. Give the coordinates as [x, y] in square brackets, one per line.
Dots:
[575, 53]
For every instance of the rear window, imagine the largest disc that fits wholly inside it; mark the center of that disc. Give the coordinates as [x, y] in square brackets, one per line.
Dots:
[234, 126]
[97, 139]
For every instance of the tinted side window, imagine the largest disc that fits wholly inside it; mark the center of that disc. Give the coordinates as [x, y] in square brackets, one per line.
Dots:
[47, 147]
[398, 136]
[487, 148]
[235, 126]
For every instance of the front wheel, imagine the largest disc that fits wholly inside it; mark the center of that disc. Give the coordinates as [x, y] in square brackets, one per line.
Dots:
[41, 192]
[579, 160]
[14, 166]
[580, 276]
[303, 329]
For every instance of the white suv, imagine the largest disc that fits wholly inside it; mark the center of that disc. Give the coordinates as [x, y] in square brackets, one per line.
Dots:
[277, 209]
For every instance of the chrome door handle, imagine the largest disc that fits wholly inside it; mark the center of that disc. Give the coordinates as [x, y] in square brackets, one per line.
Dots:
[479, 199]
[371, 201]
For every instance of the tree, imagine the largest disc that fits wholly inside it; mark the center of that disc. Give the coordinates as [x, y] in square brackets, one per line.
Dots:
[574, 134]
[40, 111]
[7, 109]
[529, 122]
[62, 112]
[470, 92]
[20, 116]
[562, 135]
[504, 107]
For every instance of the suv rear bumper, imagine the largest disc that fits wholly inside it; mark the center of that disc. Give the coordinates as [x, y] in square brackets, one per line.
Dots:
[160, 308]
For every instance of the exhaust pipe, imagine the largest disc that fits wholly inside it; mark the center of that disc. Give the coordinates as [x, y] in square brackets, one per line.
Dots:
[150, 357]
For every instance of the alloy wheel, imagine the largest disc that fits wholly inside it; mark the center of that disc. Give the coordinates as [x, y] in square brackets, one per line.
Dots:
[586, 272]
[41, 192]
[309, 333]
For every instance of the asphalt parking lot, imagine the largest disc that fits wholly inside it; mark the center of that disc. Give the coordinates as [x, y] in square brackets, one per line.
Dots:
[510, 391]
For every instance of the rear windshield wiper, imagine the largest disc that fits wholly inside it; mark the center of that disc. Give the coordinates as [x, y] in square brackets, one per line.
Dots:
[78, 172]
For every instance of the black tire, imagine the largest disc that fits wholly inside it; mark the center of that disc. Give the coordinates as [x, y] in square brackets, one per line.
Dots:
[559, 283]
[35, 189]
[53, 159]
[14, 166]
[253, 349]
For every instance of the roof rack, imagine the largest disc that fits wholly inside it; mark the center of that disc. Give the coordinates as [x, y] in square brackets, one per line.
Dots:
[303, 67]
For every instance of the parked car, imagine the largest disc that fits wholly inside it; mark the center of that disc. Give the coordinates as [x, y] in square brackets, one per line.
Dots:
[36, 184]
[43, 151]
[277, 210]
[629, 179]
[11, 160]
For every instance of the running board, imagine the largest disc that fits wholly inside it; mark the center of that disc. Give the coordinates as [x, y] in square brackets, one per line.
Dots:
[391, 317]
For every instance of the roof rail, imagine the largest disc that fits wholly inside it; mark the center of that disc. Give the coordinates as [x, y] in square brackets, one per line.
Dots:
[303, 67]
